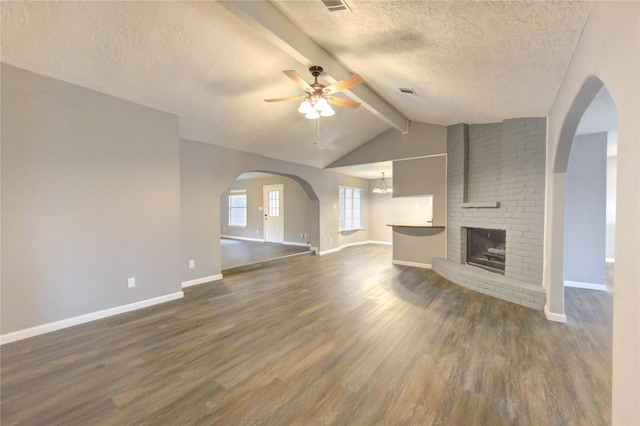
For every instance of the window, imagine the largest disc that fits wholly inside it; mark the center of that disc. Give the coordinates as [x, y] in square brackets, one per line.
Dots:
[238, 208]
[351, 208]
[273, 206]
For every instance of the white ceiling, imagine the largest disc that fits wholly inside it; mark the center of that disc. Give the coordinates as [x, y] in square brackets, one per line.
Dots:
[367, 171]
[213, 63]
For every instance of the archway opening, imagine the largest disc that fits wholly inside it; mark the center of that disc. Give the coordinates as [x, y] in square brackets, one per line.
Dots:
[590, 203]
[590, 122]
[266, 217]
[580, 227]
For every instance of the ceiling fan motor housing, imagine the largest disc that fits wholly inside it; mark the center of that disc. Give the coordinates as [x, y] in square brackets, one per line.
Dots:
[315, 70]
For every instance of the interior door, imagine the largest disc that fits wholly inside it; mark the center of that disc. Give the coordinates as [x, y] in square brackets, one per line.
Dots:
[273, 213]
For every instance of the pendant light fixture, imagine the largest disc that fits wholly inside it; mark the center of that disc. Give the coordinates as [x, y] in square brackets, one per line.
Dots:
[382, 187]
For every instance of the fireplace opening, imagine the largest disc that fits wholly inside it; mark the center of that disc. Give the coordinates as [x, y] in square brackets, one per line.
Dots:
[486, 248]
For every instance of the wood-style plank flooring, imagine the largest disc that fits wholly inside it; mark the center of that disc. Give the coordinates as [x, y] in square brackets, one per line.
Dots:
[235, 253]
[345, 338]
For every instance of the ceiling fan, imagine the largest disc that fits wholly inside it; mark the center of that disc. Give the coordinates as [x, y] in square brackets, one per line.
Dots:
[318, 97]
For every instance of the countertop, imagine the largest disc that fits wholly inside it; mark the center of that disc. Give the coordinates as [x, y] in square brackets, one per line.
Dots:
[414, 225]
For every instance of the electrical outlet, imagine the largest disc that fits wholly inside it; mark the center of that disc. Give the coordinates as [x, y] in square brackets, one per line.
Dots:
[301, 235]
[131, 282]
[257, 232]
[192, 264]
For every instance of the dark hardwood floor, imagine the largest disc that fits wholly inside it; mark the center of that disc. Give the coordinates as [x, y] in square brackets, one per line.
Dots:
[345, 338]
[238, 253]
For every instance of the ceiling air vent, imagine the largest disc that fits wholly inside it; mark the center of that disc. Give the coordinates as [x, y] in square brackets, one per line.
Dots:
[335, 5]
[407, 91]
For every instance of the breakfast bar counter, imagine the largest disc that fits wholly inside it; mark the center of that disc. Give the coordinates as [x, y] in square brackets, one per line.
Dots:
[415, 244]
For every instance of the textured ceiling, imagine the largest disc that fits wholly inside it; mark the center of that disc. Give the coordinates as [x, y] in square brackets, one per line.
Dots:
[468, 62]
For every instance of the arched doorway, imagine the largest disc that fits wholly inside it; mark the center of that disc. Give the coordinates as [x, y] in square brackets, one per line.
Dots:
[590, 200]
[265, 217]
[590, 122]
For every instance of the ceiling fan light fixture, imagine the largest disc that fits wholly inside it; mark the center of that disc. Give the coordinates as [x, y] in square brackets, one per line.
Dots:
[305, 107]
[327, 112]
[312, 114]
[321, 104]
[315, 102]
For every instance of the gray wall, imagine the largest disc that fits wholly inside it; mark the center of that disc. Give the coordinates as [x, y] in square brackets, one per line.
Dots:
[585, 210]
[419, 168]
[206, 173]
[96, 190]
[297, 209]
[423, 139]
[385, 209]
[380, 213]
[612, 182]
[423, 176]
[90, 198]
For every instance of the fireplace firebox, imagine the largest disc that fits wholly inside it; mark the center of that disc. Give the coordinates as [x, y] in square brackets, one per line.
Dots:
[486, 248]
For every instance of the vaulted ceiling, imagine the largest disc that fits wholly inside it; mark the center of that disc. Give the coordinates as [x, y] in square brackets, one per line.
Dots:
[213, 63]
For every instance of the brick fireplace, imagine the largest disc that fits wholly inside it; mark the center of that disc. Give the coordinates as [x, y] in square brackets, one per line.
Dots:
[495, 182]
[486, 248]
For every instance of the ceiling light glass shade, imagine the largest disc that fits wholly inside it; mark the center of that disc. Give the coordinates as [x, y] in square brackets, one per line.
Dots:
[312, 114]
[382, 190]
[305, 107]
[321, 104]
[382, 187]
[327, 112]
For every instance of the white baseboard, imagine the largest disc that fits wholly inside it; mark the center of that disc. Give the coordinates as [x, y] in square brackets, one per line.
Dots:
[386, 243]
[588, 286]
[202, 280]
[333, 250]
[81, 319]
[610, 260]
[414, 264]
[554, 317]
[291, 243]
[231, 237]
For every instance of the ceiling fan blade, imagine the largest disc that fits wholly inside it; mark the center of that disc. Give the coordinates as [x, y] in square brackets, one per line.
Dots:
[298, 80]
[348, 82]
[290, 98]
[343, 102]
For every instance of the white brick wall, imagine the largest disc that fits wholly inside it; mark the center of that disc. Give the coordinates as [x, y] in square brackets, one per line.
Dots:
[506, 164]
